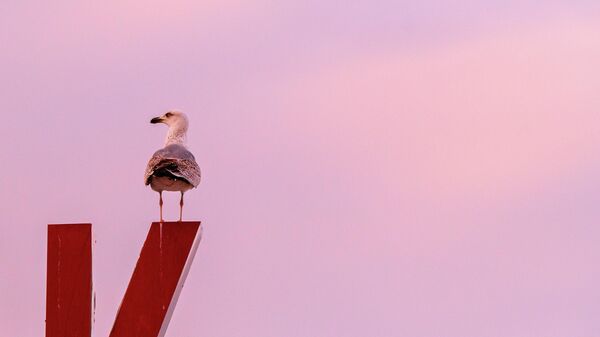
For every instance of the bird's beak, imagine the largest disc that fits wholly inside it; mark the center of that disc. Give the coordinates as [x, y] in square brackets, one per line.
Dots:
[156, 120]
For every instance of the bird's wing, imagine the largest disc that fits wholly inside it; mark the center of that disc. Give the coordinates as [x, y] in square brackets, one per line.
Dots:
[177, 160]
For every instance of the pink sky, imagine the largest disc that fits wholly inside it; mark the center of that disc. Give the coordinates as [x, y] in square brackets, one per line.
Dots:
[385, 168]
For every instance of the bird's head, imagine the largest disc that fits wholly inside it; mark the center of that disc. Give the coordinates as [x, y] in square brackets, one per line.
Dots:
[175, 119]
[178, 125]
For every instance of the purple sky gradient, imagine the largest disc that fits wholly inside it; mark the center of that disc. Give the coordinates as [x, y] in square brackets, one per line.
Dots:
[391, 168]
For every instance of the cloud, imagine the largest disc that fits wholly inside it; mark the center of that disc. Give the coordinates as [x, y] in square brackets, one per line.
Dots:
[497, 114]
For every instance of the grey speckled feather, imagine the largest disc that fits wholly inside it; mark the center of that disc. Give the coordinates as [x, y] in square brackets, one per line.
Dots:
[177, 161]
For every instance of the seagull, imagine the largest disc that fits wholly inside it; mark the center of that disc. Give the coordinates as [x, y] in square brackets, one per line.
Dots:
[172, 168]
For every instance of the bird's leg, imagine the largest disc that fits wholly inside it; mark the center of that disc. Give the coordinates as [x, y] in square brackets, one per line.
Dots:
[160, 203]
[181, 207]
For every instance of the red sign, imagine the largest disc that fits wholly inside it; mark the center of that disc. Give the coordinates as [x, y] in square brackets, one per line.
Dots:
[152, 293]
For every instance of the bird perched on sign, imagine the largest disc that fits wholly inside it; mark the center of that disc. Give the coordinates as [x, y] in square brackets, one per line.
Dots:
[173, 168]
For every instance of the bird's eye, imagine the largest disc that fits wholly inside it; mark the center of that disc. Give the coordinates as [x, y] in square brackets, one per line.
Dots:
[168, 114]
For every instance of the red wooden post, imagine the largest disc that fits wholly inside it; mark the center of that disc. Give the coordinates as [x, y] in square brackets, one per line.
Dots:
[157, 280]
[69, 281]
